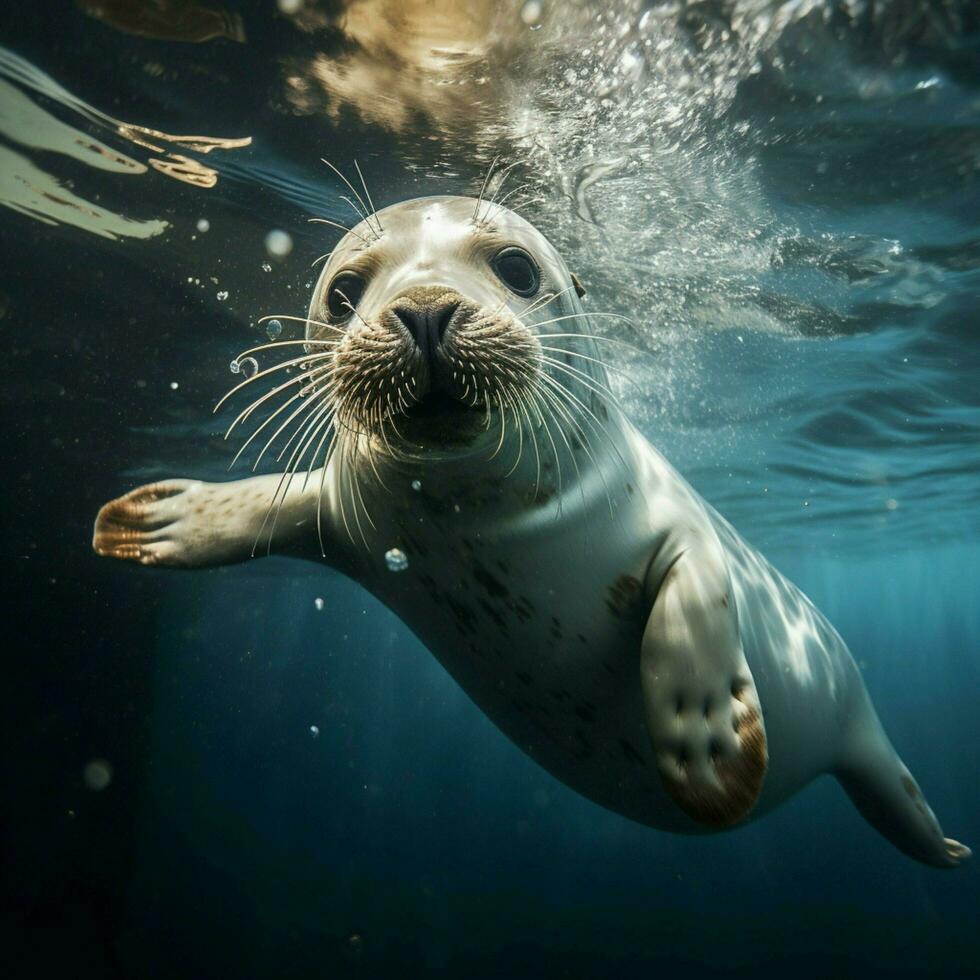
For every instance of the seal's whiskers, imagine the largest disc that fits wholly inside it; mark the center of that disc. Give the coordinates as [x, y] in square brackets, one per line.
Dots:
[343, 228]
[345, 474]
[376, 227]
[267, 421]
[362, 213]
[587, 316]
[596, 387]
[603, 340]
[501, 181]
[300, 319]
[520, 437]
[382, 417]
[311, 419]
[541, 301]
[534, 442]
[483, 190]
[536, 405]
[350, 306]
[282, 488]
[589, 414]
[503, 429]
[246, 412]
[596, 360]
[319, 497]
[367, 194]
[582, 437]
[325, 431]
[258, 375]
[306, 406]
[294, 463]
[499, 205]
[558, 409]
[360, 497]
[300, 433]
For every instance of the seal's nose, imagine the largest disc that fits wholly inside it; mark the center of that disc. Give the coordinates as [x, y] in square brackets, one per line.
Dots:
[426, 316]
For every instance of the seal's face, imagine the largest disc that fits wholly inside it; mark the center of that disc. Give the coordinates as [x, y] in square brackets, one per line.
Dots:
[434, 309]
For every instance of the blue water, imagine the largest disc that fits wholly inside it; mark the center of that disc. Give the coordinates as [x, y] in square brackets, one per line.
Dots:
[784, 199]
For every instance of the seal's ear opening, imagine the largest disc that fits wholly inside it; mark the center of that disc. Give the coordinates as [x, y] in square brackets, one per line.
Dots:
[579, 288]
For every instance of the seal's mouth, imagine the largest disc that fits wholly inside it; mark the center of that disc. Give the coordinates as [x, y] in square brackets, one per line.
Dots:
[440, 420]
[435, 405]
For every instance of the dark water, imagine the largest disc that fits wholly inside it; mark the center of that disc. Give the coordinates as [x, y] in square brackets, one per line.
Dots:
[785, 199]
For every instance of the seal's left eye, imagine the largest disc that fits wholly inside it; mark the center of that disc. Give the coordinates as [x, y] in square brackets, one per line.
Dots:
[517, 270]
[344, 293]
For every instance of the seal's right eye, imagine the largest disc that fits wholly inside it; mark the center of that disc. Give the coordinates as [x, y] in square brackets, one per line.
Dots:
[344, 294]
[517, 270]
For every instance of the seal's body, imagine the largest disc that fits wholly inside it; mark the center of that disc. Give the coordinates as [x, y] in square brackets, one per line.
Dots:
[587, 599]
[541, 621]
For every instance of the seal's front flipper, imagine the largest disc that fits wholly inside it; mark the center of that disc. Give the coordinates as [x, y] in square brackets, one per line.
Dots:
[190, 524]
[702, 709]
[882, 788]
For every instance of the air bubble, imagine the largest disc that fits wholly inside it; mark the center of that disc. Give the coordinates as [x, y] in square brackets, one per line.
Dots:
[531, 13]
[97, 774]
[396, 560]
[416, 484]
[278, 243]
[203, 225]
[273, 329]
[234, 367]
[248, 366]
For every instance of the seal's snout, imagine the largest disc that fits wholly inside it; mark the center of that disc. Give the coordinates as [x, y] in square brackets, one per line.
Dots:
[426, 325]
[434, 363]
[426, 314]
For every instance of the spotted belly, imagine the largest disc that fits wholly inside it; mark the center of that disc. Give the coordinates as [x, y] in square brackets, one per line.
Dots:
[555, 669]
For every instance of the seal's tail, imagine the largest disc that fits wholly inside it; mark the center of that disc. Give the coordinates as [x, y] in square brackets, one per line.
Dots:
[882, 788]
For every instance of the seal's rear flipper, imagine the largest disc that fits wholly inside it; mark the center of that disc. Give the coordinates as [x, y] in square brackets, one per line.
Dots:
[882, 788]
[190, 524]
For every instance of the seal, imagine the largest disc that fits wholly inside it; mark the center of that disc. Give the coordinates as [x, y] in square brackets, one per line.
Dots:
[451, 443]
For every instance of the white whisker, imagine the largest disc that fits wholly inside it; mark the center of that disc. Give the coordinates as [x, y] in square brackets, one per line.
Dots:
[503, 428]
[483, 188]
[353, 190]
[595, 360]
[599, 339]
[264, 373]
[522, 404]
[343, 228]
[367, 194]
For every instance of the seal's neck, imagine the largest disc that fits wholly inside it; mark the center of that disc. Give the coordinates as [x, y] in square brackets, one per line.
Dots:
[507, 469]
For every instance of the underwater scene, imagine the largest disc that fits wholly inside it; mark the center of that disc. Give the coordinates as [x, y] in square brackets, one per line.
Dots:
[492, 488]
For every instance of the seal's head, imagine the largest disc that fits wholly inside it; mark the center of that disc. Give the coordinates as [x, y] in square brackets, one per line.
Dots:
[437, 313]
